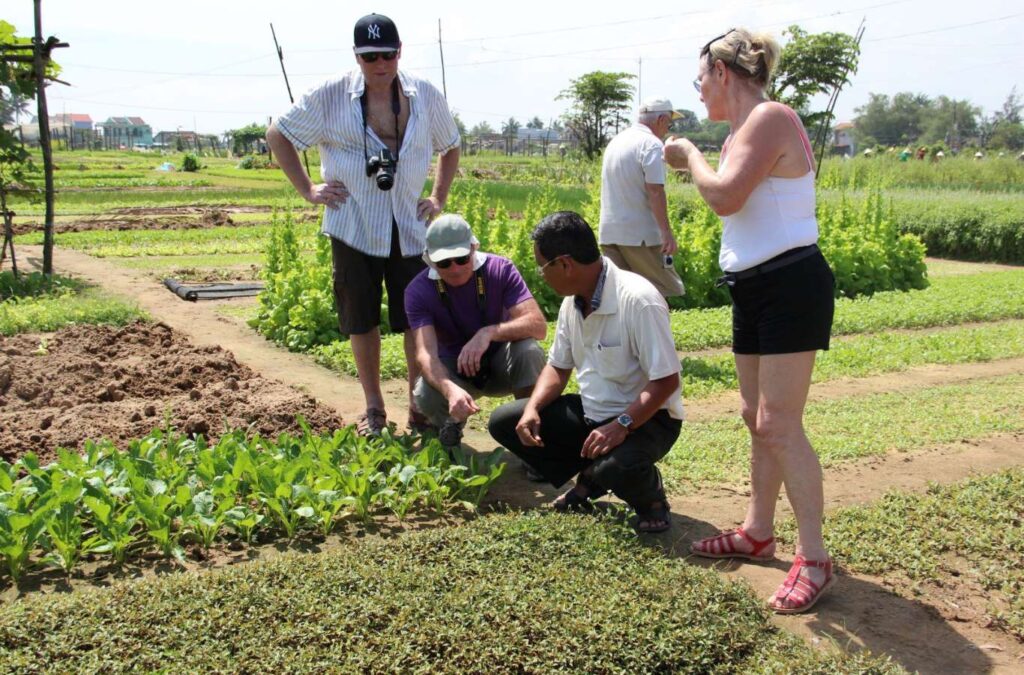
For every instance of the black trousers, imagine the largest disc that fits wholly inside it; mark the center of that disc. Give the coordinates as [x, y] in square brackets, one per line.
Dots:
[628, 471]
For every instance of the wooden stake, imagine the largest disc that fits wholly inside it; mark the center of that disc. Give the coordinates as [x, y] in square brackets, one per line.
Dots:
[44, 137]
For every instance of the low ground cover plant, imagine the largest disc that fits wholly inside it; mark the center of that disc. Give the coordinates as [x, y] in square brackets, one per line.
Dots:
[971, 530]
[848, 428]
[37, 303]
[167, 491]
[504, 594]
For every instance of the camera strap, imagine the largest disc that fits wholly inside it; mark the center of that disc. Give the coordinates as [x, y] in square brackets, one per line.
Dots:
[481, 302]
[396, 108]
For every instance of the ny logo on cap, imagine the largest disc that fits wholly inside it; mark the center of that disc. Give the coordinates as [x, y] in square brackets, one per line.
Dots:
[374, 32]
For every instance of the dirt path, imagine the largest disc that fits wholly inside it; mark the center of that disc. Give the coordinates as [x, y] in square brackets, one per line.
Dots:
[861, 611]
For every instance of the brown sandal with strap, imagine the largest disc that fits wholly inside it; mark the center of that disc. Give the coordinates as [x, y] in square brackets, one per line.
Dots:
[372, 422]
[722, 545]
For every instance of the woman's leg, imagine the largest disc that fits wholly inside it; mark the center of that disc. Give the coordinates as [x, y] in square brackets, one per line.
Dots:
[765, 472]
[784, 382]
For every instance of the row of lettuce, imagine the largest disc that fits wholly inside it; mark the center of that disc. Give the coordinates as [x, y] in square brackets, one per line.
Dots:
[168, 491]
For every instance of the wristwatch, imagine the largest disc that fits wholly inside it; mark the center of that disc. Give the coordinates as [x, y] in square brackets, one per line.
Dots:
[625, 420]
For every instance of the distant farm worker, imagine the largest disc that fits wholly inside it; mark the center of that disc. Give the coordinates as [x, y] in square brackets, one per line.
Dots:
[377, 129]
[613, 330]
[782, 294]
[476, 327]
[634, 231]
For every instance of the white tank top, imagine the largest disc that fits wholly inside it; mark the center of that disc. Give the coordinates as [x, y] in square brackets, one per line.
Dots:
[777, 216]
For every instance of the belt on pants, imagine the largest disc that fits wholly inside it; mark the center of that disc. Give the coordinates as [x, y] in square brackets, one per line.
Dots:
[730, 278]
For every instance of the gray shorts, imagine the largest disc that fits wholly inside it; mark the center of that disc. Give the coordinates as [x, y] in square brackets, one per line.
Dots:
[513, 366]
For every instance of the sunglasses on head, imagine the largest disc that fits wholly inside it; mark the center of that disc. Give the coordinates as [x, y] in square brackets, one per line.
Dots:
[447, 262]
[370, 57]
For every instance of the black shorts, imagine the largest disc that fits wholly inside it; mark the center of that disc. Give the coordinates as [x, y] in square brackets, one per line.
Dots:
[786, 310]
[357, 281]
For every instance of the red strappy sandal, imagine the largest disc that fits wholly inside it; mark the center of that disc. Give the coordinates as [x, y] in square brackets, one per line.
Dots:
[800, 591]
[722, 546]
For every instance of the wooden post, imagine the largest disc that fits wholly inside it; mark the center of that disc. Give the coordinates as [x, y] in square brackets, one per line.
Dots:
[44, 137]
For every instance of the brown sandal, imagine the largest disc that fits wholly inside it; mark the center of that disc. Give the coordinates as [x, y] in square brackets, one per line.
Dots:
[372, 422]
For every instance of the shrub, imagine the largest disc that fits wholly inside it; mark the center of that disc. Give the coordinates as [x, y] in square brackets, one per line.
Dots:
[189, 162]
[297, 306]
[975, 227]
[254, 162]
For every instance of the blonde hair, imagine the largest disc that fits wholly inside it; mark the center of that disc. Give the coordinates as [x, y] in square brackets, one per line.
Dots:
[753, 55]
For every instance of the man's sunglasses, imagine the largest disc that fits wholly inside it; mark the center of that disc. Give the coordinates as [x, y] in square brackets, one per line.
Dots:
[370, 57]
[447, 262]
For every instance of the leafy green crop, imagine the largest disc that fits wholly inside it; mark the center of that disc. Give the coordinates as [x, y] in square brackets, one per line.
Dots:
[167, 490]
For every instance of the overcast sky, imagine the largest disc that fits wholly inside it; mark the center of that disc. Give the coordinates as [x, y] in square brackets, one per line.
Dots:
[211, 65]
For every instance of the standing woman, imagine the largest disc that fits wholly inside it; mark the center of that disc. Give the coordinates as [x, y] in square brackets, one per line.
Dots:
[782, 293]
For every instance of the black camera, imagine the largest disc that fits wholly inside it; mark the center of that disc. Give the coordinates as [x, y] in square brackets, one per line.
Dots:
[384, 166]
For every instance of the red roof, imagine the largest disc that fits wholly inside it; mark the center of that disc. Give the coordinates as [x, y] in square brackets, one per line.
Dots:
[136, 120]
[80, 118]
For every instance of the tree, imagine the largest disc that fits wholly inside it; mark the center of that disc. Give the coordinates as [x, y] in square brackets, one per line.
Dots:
[243, 139]
[950, 121]
[595, 100]
[459, 124]
[895, 121]
[510, 127]
[18, 86]
[812, 63]
[481, 129]
[535, 123]
[687, 124]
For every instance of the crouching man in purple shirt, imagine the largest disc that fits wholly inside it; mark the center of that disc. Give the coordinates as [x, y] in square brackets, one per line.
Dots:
[475, 326]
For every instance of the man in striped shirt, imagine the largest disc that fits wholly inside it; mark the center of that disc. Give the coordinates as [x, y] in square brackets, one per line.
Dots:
[376, 225]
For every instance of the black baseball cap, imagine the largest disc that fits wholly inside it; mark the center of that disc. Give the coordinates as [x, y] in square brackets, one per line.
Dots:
[375, 33]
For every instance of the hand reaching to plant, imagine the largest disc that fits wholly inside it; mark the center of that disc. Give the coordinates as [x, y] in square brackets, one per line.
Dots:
[460, 404]
[332, 194]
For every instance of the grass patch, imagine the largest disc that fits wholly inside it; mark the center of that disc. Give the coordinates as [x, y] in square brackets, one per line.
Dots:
[504, 594]
[850, 428]
[873, 354]
[948, 301]
[971, 530]
[36, 303]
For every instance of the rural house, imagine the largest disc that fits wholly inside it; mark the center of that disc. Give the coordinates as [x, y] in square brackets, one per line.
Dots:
[126, 132]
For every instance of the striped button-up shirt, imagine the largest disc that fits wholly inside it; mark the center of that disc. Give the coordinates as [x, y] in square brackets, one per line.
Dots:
[331, 117]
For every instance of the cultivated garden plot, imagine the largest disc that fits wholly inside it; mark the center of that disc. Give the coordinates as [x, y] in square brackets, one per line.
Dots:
[446, 591]
[93, 382]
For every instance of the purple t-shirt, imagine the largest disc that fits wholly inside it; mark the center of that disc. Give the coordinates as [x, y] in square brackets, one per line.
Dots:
[504, 288]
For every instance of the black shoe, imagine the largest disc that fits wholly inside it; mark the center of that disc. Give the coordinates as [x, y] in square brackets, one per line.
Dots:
[450, 434]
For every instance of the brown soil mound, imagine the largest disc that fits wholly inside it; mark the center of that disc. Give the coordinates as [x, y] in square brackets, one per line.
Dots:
[91, 382]
[159, 218]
